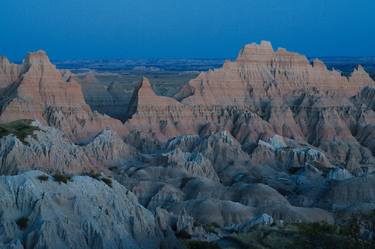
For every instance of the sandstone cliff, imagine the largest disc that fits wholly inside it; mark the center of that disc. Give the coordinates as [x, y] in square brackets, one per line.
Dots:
[265, 93]
[40, 92]
[9, 72]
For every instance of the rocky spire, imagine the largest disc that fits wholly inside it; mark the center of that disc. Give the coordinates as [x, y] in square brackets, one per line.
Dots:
[38, 65]
[36, 58]
[8, 72]
[146, 93]
[145, 96]
[42, 94]
[361, 77]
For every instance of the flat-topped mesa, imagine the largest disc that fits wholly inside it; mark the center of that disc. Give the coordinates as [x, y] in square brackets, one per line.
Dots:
[37, 58]
[42, 93]
[256, 53]
[264, 54]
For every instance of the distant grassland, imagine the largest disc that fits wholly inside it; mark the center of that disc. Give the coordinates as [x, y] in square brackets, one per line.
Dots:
[110, 93]
[164, 83]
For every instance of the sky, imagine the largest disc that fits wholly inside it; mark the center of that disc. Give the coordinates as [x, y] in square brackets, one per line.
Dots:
[116, 29]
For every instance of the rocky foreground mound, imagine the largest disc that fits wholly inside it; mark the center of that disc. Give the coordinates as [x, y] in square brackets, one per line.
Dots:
[42, 211]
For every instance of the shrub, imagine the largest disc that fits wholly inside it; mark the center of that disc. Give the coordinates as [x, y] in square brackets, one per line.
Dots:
[22, 223]
[107, 181]
[43, 178]
[93, 174]
[113, 168]
[317, 228]
[99, 177]
[211, 228]
[61, 178]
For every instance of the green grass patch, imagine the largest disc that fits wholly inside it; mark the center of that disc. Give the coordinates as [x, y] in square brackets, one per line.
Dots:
[20, 128]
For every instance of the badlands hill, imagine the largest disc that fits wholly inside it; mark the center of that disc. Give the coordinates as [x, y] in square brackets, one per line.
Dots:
[269, 138]
[266, 93]
[37, 90]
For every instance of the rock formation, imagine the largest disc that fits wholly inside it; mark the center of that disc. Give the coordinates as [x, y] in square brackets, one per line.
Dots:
[50, 150]
[111, 99]
[266, 93]
[267, 138]
[37, 211]
[42, 93]
[9, 72]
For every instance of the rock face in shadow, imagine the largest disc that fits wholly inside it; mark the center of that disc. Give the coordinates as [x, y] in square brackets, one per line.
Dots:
[42, 93]
[111, 98]
[82, 213]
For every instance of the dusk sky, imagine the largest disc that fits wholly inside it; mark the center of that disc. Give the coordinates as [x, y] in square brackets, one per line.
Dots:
[73, 29]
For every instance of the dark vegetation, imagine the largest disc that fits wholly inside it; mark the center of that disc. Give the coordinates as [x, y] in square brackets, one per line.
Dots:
[43, 178]
[305, 236]
[99, 177]
[184, 181]
[211, 228]
[192, 244]
[61, 178]
[113, 168]
[22, 223]
[107, 181]
[355, 232]
[93, 174]
[20, 128]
